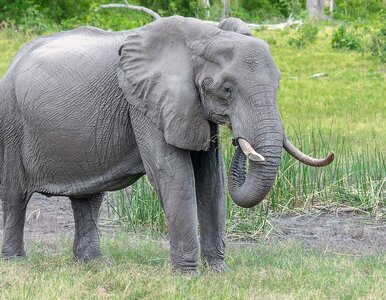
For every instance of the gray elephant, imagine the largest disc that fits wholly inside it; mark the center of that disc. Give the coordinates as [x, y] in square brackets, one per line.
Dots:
[88, 111]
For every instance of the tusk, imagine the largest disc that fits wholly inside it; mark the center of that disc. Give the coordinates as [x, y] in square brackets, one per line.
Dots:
[249, 152]
[308, 160]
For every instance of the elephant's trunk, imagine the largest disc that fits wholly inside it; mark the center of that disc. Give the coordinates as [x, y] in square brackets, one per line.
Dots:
[263, 147]
[247, 190]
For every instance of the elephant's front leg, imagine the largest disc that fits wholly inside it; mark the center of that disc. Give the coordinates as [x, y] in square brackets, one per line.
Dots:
[211, 202]
[171, 174]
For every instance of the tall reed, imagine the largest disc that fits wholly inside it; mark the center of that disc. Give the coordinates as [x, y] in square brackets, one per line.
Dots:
[357, 178]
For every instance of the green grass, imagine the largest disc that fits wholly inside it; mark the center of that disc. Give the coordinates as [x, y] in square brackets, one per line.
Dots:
[344, 111]
[142, 270]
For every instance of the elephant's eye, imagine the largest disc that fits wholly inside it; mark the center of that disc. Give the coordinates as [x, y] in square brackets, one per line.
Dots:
[228, 90]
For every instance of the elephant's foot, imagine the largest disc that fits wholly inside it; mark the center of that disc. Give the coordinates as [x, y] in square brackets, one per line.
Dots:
[215, 265]
[86, 252]
[185, 271]
[185, 258]
[189, 268]
[13, 245]
[7, 254]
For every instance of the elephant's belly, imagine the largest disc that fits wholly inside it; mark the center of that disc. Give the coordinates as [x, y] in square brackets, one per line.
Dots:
[65, 160]
[71, 179]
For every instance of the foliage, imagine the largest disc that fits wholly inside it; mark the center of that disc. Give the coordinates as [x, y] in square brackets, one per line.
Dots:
[342, 38]
[25, 14]
[180, 7]
[378, 44]
[43, 15]
[351, 10]
[263, 10]
[306, 35]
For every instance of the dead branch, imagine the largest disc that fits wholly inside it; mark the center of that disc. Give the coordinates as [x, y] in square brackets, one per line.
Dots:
[290, 22]
[133, 7]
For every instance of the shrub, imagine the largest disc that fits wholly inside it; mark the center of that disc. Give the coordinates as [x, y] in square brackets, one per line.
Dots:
[23, 14]
[344, 39]
[306, 35]
[378, 45]
[357, 9]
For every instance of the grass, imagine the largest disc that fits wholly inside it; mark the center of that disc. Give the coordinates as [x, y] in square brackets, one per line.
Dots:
[343, 111]
[142, 271]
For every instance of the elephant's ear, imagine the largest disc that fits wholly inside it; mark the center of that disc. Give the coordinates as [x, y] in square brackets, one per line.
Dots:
[155, 74]
[235, 25]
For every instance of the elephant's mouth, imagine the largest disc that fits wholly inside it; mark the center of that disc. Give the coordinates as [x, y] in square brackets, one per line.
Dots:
[219, 118]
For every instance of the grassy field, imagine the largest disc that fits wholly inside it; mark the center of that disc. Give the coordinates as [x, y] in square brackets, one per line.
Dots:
[141, 270]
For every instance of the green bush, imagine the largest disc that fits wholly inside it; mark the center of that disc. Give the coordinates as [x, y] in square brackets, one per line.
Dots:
[191, 8]
[260, 10]
[378, 45]
[350, 10]
[345, 39]
[23, 14]
[306, 35]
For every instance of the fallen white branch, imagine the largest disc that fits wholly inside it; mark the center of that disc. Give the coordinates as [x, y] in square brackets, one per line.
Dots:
[133, 7]
[290, 22]
[279, 26]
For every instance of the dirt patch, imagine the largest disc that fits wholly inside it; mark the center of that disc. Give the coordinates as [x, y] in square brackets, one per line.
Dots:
[49, 219]
[346, 233]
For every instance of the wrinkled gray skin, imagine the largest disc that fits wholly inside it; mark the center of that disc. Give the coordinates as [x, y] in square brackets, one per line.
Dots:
[78, 119]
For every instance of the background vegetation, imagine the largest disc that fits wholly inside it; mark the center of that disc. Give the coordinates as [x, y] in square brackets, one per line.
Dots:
[343, 109]
[66, 14]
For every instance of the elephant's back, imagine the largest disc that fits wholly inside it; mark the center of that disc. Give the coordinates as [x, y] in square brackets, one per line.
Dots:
[64, 68]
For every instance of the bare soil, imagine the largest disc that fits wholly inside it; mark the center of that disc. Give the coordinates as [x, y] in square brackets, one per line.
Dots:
[50, 219]
[344, 232]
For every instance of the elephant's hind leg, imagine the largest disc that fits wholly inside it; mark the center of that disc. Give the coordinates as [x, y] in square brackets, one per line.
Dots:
[86, 216]
[14, 204]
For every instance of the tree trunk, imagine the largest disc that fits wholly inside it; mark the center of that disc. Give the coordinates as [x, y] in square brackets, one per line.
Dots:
[225, 12]
[206, 5]
[315, 9]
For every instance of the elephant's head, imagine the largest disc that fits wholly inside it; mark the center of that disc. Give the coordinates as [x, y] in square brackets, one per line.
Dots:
[183, 74]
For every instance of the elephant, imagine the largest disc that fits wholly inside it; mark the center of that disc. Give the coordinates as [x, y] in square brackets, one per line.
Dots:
[87, 111]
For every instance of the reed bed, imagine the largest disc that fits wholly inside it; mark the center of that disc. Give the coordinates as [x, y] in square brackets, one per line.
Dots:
[356, 179]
